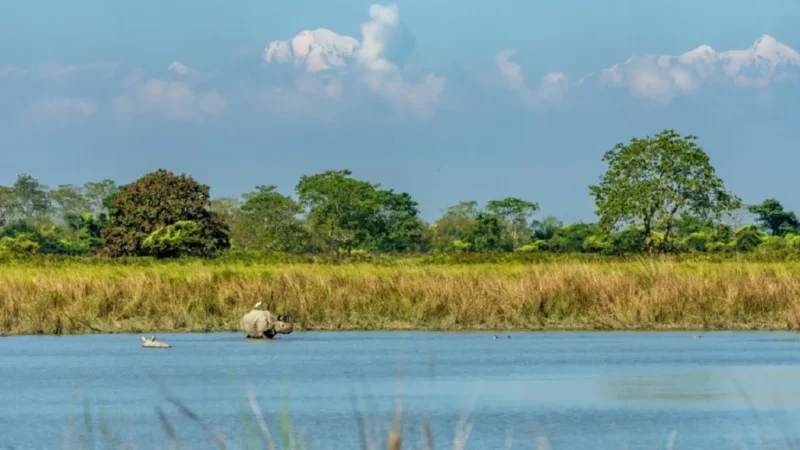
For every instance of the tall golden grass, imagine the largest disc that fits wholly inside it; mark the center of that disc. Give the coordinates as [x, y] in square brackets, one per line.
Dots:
[643, 295]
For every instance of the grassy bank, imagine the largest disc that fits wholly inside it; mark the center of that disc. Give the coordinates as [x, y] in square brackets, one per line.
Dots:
[195, 296]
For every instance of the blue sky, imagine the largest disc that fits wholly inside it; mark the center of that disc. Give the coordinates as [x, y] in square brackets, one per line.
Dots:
[450, 102]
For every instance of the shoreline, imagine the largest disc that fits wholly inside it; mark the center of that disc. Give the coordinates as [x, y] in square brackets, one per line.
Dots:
[551, 330]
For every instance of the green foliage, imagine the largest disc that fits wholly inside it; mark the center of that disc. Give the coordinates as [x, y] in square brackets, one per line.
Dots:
[154, 202]
[545, 229]
[340, 208]
[570, 238]
[17, 246]
[180, 238]
[268, 221]
[516, 214]
[489, 234]
[454, 225]
[596, 244]
[747, 239]
[347, 213]
[631, 240]
[650, 180]
[774, 219]
[397, 226]
[47, 236]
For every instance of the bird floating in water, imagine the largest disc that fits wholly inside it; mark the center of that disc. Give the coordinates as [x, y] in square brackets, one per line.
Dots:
[153, 343]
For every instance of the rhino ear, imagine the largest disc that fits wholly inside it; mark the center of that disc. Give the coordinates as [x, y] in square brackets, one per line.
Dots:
[281, 318]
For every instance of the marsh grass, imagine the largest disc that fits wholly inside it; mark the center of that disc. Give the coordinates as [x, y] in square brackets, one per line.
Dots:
[194, 296]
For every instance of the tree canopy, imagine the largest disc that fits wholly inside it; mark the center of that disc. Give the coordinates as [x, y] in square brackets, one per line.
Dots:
[651, 179]
[658, 193]
[155, 202]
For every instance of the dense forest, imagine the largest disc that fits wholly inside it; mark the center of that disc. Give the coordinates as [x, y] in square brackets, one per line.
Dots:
[659, 194]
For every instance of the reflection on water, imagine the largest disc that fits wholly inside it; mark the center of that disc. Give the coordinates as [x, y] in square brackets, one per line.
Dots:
[582, 390]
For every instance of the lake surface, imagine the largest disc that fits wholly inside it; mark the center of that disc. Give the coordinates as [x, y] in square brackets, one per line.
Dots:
[580, 390]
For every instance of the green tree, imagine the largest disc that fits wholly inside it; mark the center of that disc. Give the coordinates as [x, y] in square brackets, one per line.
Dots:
[396, 226]
[30, 199]
[570, 238]
[545, 229]
[268, 221]
[773, 218]
[747, 239]
[650, 180]
[516, 214]
[154, 202]
[100, 195]
[340, 209]
[490, 234]
[69, 201]
[455, 224]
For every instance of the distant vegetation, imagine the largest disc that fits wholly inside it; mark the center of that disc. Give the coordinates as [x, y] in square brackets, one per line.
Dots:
[659, 195]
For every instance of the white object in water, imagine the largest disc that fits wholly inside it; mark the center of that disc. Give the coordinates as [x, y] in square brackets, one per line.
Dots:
[153, 343]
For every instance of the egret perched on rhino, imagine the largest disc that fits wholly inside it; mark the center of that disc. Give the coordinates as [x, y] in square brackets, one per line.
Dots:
[260, 324]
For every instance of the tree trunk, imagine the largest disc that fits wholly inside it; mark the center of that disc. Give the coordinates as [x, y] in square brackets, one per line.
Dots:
[648, 238]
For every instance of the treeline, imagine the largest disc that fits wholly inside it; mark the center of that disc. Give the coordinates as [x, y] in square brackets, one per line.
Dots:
[660, 194]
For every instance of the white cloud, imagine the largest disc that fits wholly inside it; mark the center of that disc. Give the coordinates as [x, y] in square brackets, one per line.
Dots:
[60, 71]
[62, 108]
[551, 88]
[180, 68]
[661, 78]
[384, 45]
[170, 100]
[316, 50]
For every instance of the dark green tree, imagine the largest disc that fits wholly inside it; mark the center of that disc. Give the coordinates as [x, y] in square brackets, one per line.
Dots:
[156, 201]
[340, 209]
[396, 227]
[490, 234]
[570, 238]
[545, 229]
[773, 218]
[650, 180]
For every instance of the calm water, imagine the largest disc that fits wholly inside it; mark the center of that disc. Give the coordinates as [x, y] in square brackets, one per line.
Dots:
[581, 390]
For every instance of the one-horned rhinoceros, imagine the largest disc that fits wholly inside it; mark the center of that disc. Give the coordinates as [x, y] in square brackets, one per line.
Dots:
[259, 324]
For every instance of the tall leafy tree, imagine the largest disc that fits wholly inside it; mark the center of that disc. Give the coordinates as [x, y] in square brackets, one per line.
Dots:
[516, 213]
[340, 208]
[31, 198]
[268, 221]
[396, 225]
[153, 203]
[772, 217]
[652, 179]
